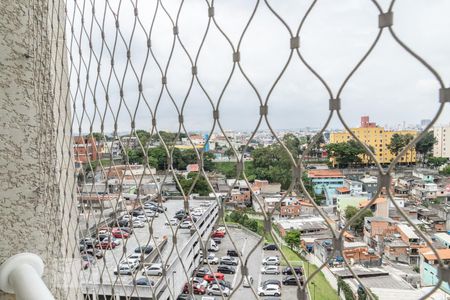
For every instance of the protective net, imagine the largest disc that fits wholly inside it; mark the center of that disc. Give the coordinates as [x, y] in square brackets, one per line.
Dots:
[143, 77]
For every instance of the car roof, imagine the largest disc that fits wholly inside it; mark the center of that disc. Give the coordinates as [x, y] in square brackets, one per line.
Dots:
[272, 286]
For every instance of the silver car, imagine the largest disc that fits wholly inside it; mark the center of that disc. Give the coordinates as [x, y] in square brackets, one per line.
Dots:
[270, 270]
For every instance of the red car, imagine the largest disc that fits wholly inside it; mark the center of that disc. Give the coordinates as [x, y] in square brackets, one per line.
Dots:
[210, 277]
[218, 234]
[197, 289]
[120, 234]
[105, 244]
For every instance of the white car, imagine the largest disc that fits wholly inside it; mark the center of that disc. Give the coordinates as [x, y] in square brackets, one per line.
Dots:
[215, 290]
[205, 204]
[247, 283]
[186, 225]
[172, 222]
[141, 218]
[138, 224]
[197, 213]
[135, 257]
[211, 259]
[126, 269]
[271, 260]
[153, 269]
[151, 213]
[269, 290]
[228, 260]
[221, 229]
[270, 270]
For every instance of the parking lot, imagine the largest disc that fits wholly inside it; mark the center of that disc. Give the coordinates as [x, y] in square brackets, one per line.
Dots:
[245, 242]
[140, 237]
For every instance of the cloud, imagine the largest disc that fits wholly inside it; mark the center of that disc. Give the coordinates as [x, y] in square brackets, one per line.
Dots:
[391, 86]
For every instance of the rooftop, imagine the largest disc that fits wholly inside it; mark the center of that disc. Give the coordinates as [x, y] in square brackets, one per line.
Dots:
[325, 173]
[429, 254]
[408, 231]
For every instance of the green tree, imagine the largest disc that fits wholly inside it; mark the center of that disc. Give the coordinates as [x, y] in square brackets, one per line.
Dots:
[201, 187]
[135, 156]
[98, 136]
[398, 142]
[446, 170]
[229, 153]
[358, 223]
[347, 153]
[350, 211]
[292, 238]
[143, 136]
[425, 145]
[436, 162]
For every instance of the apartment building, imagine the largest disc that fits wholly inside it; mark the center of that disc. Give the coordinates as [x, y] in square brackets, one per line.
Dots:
[86, 149]
[442, 146]
[376, 137]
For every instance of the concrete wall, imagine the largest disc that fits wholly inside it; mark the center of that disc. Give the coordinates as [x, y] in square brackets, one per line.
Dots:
[36, 183]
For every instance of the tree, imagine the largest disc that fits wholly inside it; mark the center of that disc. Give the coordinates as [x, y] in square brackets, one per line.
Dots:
[446, 170]
[358, 223]
[425, 145]
[436, 162]
[201, 187]
[346, 153]
[98, 136]
[229, 153]
[143, 136]
[292, 238]
[398, 142]
[350, 211]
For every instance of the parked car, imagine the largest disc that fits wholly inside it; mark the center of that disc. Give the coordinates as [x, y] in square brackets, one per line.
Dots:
[136, 257]
[143, 281]
[123, 223]
[136, 213]
[127, 229]
[290, 280]
[210, 277]
[119, 233]
[270, 247]
[151, 213]
[269, 290]
[172, 222]
[153, 269]
[271, 281]
[138, 224]
[88, 242]
[105, 244]
[228, 260]
[126, 269]
[93, 252]
[270, 270]
[196, 289]
[186, 225]
[211, 259]
[146, 249]
[199, 281]
[217, 240]
[247, 282]
[218, 290]
[221, 229]
[288, 271]
[232, 253]
[218, 234]
[226, 269]
[201, 272]
[87, 261]
[271, 260]
[222, 283]
[213, 247]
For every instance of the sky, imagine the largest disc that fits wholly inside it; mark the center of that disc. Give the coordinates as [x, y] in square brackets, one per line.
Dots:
[390, 86]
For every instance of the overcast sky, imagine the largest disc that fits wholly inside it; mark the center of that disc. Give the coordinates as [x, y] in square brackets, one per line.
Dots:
[391, 86]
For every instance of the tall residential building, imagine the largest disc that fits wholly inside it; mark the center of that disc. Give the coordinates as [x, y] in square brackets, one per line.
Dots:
[377, 137]
[442, 146]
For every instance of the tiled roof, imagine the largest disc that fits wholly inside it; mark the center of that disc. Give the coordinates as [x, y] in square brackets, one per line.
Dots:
[325, 173]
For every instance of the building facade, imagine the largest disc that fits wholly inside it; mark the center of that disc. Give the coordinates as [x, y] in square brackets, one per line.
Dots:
[378, 138]
[442, 146]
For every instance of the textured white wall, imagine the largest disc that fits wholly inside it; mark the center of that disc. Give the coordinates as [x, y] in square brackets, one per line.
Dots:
[37, 203]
